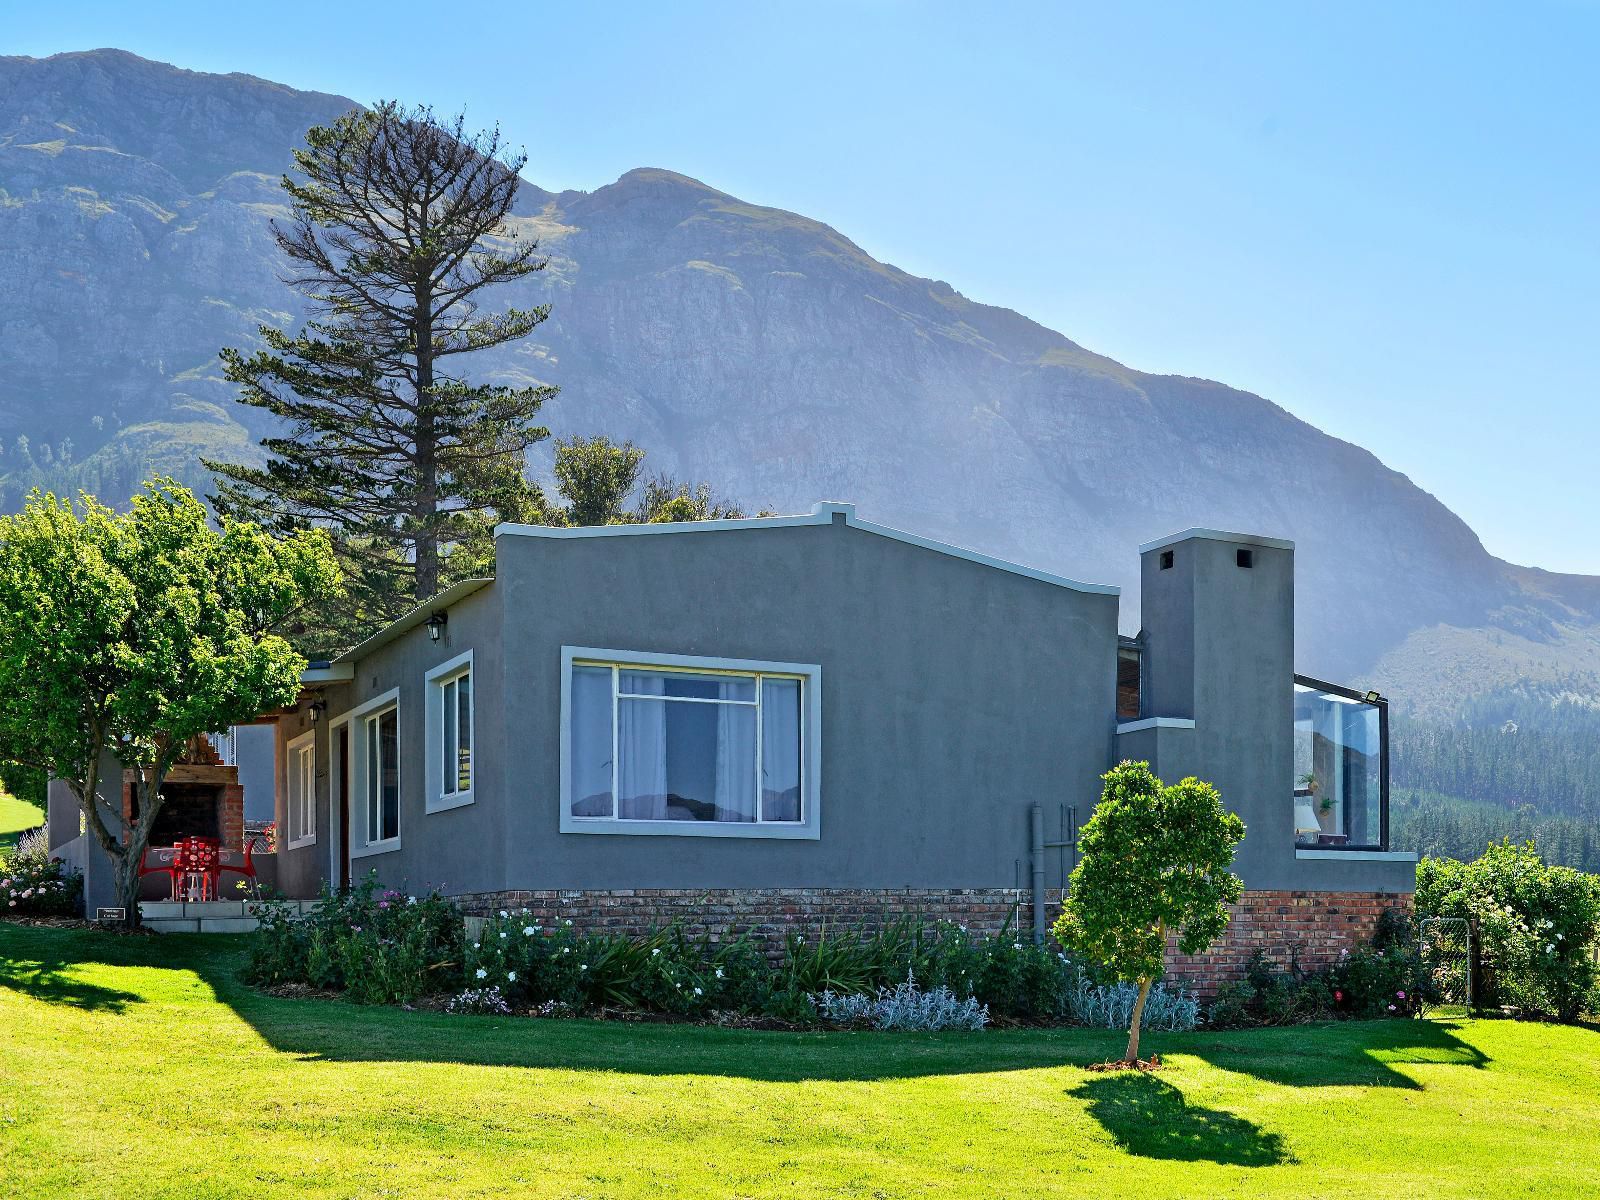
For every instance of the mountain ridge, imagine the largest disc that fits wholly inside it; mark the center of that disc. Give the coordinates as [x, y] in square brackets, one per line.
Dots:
[744, 344]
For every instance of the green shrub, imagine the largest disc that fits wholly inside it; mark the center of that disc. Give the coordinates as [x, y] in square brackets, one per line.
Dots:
[34, 884]
[380, 947]
[1268, 996]
[1537, 926]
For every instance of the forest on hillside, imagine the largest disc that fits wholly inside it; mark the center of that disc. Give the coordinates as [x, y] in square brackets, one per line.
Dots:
[1520, 764]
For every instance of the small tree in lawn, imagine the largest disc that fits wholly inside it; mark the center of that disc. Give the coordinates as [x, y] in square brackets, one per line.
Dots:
[1153, 861]
[136, 632]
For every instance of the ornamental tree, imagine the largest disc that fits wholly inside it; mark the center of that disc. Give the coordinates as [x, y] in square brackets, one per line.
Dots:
[132, 633]
[1153, 862]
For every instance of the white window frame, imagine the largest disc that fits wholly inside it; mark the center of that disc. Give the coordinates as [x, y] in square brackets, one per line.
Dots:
[300, 767]
[808, 828]
[361, 843]
[435, 798]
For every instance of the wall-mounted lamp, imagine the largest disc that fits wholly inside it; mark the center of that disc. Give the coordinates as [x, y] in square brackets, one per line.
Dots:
[318, 707]
[436, 624]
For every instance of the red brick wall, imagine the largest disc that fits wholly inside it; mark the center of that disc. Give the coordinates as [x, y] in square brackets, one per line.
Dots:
[1314, 926]
[770, 913]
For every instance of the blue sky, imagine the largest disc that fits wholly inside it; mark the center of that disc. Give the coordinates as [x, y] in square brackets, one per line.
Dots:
[1384, 217]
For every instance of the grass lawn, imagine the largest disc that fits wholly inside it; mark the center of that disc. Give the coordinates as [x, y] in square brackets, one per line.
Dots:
[140, 1067]
[16, 816]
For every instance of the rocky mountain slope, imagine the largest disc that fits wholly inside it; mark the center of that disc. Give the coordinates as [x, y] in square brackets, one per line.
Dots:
[744, 345]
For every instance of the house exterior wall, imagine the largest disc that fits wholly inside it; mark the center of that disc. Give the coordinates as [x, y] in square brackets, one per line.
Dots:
[952, 696]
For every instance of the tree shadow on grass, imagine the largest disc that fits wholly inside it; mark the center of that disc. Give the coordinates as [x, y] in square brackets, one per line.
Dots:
[47, 980]
[1150, 1118]
[1339, 1053]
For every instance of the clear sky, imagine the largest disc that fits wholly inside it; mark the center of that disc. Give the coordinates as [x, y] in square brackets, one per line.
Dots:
[1385, 217]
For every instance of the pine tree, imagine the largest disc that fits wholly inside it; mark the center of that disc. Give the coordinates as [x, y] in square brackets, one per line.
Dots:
[400, 224]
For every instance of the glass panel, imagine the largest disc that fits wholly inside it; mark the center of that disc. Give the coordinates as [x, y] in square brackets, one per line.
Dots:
[372, 780]
[686, 762]
[1338, 770]
[780, 749]
[591, 742]
[687, 686]
[447, 751]
[389, 756]
[308, 795]
[1129, 701]
[464, 737]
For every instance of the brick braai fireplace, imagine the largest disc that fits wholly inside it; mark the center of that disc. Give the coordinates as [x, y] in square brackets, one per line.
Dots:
[203, 799]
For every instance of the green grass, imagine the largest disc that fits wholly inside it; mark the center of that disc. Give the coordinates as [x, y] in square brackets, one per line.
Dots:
[140, 1067]
[16, 817]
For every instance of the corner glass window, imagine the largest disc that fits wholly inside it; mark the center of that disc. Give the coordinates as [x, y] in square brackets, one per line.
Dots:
[1340, 768]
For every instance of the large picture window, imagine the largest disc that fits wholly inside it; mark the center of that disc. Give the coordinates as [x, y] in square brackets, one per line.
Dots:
[671, 745]
[1341, 768]
[302, 790]
[450, 734]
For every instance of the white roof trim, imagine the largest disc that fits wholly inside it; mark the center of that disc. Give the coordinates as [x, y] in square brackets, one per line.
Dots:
[1155, 723]
[1217, 535]
[822, 514]
[341, 672]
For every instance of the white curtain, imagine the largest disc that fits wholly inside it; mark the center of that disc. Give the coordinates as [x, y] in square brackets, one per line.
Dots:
[736, 762]
[780, 750]
[642, 760]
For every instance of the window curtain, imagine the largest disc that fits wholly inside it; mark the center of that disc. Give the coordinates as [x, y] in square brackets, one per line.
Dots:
[736, 763]
[642, 759]
[780, 750]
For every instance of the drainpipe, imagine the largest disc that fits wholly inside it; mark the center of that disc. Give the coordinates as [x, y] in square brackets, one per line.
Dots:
[1037, 824]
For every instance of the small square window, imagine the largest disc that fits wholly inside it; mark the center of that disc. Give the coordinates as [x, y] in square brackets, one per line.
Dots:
[1166, 560]
[1245, 558]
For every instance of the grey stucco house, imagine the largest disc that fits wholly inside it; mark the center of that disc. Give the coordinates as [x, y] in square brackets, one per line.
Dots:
[798, 720]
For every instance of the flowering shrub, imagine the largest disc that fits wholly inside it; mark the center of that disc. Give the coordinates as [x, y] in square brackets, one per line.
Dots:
[34, 884]
[906, 1007]
[381, 947]
[481, 1001]
[1110, 1006]
[1537, 926]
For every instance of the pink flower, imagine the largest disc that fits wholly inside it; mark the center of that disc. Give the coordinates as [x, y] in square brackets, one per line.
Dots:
[1339, 996]
[1400, 995]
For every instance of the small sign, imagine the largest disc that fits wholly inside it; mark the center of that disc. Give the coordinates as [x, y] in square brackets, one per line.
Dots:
[108, 915]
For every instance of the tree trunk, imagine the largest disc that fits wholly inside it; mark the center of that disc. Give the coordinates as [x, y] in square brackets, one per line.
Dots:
[1133, 1026]
[127, 876]
[427, 499]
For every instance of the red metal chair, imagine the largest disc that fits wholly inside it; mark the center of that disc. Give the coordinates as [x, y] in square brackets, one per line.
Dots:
[247, 869]
[161, 860]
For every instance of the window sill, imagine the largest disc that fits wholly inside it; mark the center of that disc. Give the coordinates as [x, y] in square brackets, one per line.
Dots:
[300, 843]
[374, 848]
[445, 803]
[1314, 855]
[718, 829]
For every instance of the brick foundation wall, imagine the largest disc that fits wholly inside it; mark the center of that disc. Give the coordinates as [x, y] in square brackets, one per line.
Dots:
[1313, 926]
[769, 914]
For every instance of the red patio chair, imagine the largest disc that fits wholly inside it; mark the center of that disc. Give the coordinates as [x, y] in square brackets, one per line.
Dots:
[247, 869]
[161, 860]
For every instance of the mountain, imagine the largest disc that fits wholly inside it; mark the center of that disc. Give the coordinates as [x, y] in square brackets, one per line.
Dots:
[748, 346]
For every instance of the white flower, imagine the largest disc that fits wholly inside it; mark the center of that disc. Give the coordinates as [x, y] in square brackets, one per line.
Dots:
[528, 931]
[411, 899]
[565, 949]
[482, 973]
[655, 952]
[583, 966]
[512, 976]
[502, 934]
[719, 972]
[569, 920]
[475, 946]
[697, 991]
[504, 913]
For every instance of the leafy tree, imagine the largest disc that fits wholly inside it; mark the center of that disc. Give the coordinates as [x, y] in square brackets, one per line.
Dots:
[401, 226]
[663, 498]
[595, 475]
[1154, 861]
[134, 633]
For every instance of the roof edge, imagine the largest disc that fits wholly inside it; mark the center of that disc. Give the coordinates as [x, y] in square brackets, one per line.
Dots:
[1217, 535]
[410, 620]
[824, 513]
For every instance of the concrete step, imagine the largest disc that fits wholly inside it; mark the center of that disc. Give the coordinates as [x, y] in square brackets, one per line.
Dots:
[172, 925]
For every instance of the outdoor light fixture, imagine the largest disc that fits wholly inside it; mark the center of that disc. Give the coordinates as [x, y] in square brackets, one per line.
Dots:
[318, 707]
[1372, 698]
[436, 623]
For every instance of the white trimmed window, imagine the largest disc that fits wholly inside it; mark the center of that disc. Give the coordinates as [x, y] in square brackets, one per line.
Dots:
[375, 754]
[686, 745]
[301, 778]
[450, 701]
